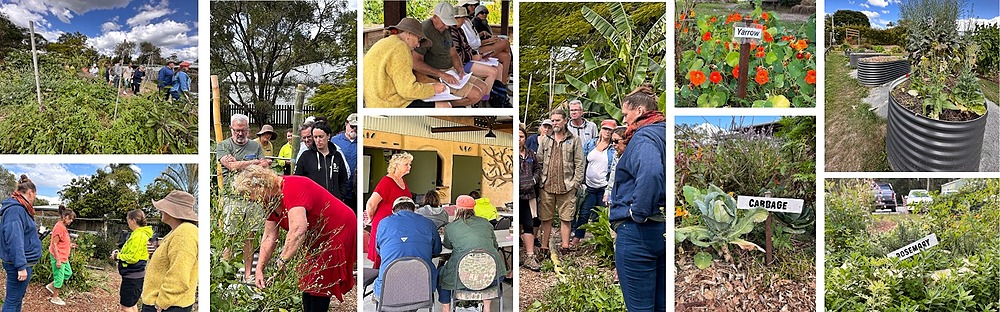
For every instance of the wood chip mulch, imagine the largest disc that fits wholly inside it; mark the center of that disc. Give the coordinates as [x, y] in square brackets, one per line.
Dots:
[730, 287]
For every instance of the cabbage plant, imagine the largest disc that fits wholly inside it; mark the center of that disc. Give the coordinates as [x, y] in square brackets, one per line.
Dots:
[721, 223]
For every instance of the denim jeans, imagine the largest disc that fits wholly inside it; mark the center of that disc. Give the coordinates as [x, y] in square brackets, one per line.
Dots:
[586, 212]
[640, 256]
[15, 289]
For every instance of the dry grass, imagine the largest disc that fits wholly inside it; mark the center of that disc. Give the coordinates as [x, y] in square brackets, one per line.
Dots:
[855, 137]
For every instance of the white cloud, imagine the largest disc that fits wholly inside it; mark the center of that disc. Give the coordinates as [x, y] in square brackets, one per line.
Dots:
[969, 23]
[878, 3]
[885, 11]
[865, 5]
[150, 12]
[46, 175]
[870, 14]
[53, 200]
[21, 12]
[110, 26]
[136, 169]
[880, 23]
[169, 35]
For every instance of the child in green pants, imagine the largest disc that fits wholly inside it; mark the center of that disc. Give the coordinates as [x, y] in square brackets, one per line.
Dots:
[59, 248]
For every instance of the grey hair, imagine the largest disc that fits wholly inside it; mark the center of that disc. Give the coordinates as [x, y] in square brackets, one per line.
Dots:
[577, 102]
[239, 118]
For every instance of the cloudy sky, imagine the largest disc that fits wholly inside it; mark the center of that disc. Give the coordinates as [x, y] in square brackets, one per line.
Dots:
[51, 178]
[170, 25]
[881, 12]
[723, 122]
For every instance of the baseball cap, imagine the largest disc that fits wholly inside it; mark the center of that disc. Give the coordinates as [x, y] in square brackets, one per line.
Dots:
[446, 13]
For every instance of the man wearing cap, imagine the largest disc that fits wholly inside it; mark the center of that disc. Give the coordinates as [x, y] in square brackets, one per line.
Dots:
[598, 153]
[347, 141]
[532, 141]
[405, 233]
[165, 78]
[264, 138]
[561, 155]
[586, 130]
[238, 151]
[172, 271]
[389, 68]
[181, 84]
[431, 63]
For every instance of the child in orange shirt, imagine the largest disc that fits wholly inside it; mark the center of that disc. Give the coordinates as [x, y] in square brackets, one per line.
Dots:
[59, 248]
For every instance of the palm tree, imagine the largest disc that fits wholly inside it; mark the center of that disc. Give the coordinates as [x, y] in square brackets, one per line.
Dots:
[182, 177]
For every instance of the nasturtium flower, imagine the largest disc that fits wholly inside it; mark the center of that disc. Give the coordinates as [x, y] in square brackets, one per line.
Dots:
[811, 76]
[764, 16]
[760, 54]
[713, 19]
[800, 45]
[736, 71]
[761, 77]
[715, 77]
[707, 36]
[768, 37]
[697, 77]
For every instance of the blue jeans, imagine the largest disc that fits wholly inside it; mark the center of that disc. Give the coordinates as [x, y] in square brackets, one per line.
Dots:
[640, 256]
[586, 212]
[15, 289]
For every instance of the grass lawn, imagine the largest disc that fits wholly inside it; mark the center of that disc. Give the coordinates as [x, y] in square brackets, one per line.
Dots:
[991, 90]
[855, 136]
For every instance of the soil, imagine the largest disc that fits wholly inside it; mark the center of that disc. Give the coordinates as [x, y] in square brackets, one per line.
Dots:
[103, 297]
[883, 226]
[914, 105]
[880, 59]
[726, 286]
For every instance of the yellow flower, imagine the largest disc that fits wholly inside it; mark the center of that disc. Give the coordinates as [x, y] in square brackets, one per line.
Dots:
[680, 212]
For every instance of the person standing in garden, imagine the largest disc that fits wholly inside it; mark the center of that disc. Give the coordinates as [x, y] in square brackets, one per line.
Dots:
[532, 141]
[165, 79]
[379, 205]
[171, 279]
[584, 129]
[324, 163]
[347, 143]
[20, 246]
[406, 234]
[286, 153]
[132, 260]
[181, 84]
[561, 156]
[264, 138]
[599, 153]
[238, 151]
[127, 71]
[137, 79]
[59, 249]
[319, 228]
[637, 202]
[530, 171]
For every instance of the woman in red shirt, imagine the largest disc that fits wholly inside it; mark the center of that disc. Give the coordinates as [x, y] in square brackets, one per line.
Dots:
[379, 205]
[314, 219]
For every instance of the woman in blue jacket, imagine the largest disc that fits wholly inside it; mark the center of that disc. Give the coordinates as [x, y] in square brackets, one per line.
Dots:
[637, 202]
[599, 152]
[20, 246]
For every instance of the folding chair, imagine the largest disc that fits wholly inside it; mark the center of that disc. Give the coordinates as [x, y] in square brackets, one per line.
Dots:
[477, 271]
[406, 286]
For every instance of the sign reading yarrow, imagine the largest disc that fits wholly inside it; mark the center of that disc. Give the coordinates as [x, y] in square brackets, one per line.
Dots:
[747, 32]
[915, 247]
[774, 204]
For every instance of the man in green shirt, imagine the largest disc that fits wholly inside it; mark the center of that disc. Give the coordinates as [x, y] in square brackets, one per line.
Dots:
[238, 151]
[431, 63]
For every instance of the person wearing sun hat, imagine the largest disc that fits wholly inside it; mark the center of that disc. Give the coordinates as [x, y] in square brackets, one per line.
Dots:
[388, 66]
[468, 232]
[264, 138]
[172, 271]
[433, 63]
[598, 153]
[181, 83]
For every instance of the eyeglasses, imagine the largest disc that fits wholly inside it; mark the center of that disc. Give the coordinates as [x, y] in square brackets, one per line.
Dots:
[243, 131]
[354, 127]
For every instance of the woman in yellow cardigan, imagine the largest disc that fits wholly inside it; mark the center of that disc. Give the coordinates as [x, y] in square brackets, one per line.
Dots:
[172, 272]
[388, 68]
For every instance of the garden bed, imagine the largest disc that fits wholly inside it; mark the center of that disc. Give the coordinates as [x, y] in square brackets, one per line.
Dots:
[860, 55]
[879, 70]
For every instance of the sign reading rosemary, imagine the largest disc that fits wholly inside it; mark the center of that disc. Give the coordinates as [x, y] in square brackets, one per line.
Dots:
[747, 32]
[915, 247]
[770, 204]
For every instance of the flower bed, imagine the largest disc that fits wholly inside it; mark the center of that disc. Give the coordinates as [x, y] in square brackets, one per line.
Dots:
[879, 70]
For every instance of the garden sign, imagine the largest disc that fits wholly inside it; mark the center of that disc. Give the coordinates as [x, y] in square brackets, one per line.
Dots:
[790, 205]
[915, 247]
[746, 34]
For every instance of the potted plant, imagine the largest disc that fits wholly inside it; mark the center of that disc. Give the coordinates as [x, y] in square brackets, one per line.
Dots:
[879, 70]
[937, 116]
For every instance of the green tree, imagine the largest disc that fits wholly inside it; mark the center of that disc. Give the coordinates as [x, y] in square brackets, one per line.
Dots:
[149, 53]
[334, 102]
[7, 182]
[124, 51]
[109, 192]
[849, 17]
[182, 177]
[12, 37]
[40, 202]
[261, 42]
[73, 47]
[153, 192]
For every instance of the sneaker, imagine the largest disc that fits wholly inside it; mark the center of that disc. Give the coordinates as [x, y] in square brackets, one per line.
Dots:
[531, 263]
[57, 301]
[49, 288]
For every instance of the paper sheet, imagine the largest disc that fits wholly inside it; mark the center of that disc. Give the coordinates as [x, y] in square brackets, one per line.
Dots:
[442, 97]
[492, 61]
[461, 82]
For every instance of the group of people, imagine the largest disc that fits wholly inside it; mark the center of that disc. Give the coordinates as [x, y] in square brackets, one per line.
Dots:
[167, 280]
[315, 205]
[570, 167]
[172, 80]
[418, 60]
[401, 229]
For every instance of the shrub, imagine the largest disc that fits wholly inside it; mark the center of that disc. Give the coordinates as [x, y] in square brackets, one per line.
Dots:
[82, 279]
[604, 245]
[584, 289]
[987, 37]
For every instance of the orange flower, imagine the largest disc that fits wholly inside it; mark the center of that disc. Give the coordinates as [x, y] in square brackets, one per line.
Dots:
[800, 45]
[727, 45]
[764, 16]
[697, 77]
[680, 212]
[811, 76]
[760, 54]
[698, 51]
[768, 37]
[753, 46]
[685, 30]
[683, 16]
[713, 19]
[677, 25]
[808, 55]
[707, 36]
[715, 77]
[761, 77]
[736, 71]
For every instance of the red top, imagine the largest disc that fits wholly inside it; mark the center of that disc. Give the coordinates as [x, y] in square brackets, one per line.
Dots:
[390, 191]
[60, 244]
[330, 242]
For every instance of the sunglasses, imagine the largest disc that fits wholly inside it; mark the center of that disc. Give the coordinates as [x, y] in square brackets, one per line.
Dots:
[354, 127]
[615, 141]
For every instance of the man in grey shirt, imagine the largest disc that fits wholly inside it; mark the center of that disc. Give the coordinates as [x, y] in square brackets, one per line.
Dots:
[431, 63]
[238, 152]
[582, 128]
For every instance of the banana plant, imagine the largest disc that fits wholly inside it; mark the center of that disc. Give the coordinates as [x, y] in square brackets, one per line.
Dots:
[636, 59]
[722, 224]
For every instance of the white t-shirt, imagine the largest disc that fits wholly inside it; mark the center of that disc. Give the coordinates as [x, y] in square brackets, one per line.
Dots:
[471, 35]
[597, 168]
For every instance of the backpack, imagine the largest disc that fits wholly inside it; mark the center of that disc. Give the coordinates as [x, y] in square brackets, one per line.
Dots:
[498, 96]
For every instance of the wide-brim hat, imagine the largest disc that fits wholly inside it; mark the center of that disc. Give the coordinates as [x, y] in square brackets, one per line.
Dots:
[412, 26]
[177, 204]
[446, 13]
[461, 12]
[267, 129]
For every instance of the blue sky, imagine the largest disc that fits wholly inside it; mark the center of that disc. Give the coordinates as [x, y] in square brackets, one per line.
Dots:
[50, 178]
[171, 25]
[880, 12]
[724, 122]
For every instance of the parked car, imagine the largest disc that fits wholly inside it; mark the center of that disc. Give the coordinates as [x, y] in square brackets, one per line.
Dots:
[885, 197]
[917, 198]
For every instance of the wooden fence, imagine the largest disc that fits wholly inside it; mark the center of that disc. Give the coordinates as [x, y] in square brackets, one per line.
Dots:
[281, 117]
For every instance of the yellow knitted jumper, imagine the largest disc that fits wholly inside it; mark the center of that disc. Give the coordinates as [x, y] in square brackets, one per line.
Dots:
[172, 271]
[388, 76]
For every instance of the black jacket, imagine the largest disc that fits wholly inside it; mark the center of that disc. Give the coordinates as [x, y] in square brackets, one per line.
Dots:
[330, 172]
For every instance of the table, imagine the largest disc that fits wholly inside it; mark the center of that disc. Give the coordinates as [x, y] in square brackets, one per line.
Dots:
[504, 239]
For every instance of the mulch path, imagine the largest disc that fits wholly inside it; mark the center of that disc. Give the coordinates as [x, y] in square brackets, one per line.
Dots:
[103, 297]
[730, 287]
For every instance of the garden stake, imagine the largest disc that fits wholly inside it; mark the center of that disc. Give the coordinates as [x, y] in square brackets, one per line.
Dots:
[300, 98]
[217, 116]
[741, 88]
[34, 61]
[768, 253]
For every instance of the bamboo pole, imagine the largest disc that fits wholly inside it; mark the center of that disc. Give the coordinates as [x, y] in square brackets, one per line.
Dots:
[217, 121]
[300, 98]
[34, 61]
[527, 100]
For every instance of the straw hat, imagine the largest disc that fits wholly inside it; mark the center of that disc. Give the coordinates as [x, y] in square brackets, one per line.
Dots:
[177, 204]
[267, 129]
[414, 27]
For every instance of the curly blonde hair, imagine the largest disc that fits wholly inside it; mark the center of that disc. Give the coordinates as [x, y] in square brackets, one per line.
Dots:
[255, 179]
[397, 159]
